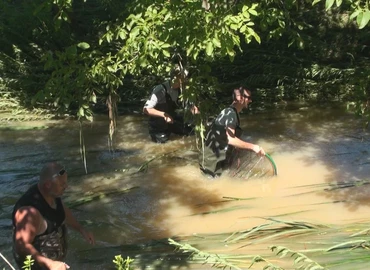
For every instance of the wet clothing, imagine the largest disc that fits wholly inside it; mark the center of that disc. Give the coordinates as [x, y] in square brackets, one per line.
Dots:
[165, 99]
[217, 152]
[52, 243]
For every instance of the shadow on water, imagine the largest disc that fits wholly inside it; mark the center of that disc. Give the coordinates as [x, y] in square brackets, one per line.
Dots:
[133, 223]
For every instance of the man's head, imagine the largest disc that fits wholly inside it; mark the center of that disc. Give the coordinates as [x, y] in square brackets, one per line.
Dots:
[53, 179]
[179, 76]
[242, 96]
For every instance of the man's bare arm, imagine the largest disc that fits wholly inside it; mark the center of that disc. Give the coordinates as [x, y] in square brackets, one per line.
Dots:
[28, 224]
[72, 222]
[238, 143]
[156, 113]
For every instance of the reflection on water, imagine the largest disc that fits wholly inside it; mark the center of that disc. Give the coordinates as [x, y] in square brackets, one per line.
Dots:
[316, 150]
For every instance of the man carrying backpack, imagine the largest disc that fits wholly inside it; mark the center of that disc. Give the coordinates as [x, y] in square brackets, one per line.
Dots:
[225, 134]
[162, 105]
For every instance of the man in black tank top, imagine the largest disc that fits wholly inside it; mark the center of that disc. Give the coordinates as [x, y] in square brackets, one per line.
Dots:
[224, 134]
[162, 105]
[39, 221]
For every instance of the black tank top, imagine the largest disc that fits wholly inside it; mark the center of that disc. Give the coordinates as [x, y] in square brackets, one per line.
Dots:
[52, 243]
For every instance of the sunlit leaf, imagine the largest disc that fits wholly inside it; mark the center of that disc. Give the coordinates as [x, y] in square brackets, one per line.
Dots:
[166, 53]
[355, 14]
[209, 49]
[243, 28]
[190, 49]
[234, 26]
[255, 35]
[364, 19]
[253, 12]
[83, 45]
[134, 32]
[254, 6]
[122, 34]
[93, 98]
[338, 2]
[329, 4]
[165, 45]
[216, 42]
[81, 112]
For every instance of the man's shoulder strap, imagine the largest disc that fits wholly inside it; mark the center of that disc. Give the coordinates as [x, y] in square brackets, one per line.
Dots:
[237, 114]
[162, 86]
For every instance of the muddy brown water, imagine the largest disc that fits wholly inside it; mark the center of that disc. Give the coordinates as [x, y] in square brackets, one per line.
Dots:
[314, 148]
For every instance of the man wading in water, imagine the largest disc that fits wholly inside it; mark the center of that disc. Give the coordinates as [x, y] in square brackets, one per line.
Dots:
[40, 219]
[224, 135]
[162, 105]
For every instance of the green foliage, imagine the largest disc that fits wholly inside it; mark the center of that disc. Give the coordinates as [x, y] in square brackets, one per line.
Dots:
[147, 39]
[71, 80]
[122, 264]
[215, 260]
[28, 263]
[360, 11]
[268, 266]
[68, 55]
[300, 260]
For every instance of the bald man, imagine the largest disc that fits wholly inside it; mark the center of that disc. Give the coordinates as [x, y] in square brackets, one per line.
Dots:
[40, 219]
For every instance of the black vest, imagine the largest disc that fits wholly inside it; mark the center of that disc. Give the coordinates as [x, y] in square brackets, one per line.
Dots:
[52, 243]
[169, 106]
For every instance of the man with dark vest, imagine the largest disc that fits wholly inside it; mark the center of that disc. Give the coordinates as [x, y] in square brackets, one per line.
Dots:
[162, 105]
[224, 134]
[40, 219]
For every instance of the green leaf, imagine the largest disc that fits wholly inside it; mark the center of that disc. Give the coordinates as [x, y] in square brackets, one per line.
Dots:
[93, 98]
[216, 42]
[359, 18]
[255, 35]
[329, 4]
[90, 118]
[253, 12]
[209, 49]
[166, 53]
[165, 45]
[166, 17]
[338, 2]
[122, 34]
[81, 111]
[190, 49]
[234, 26]
[364, 19]
[83, 45]
[355, 14]
[230, 52]
[315, 2]
[134, 32]
[108, 37]
[243, 28]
